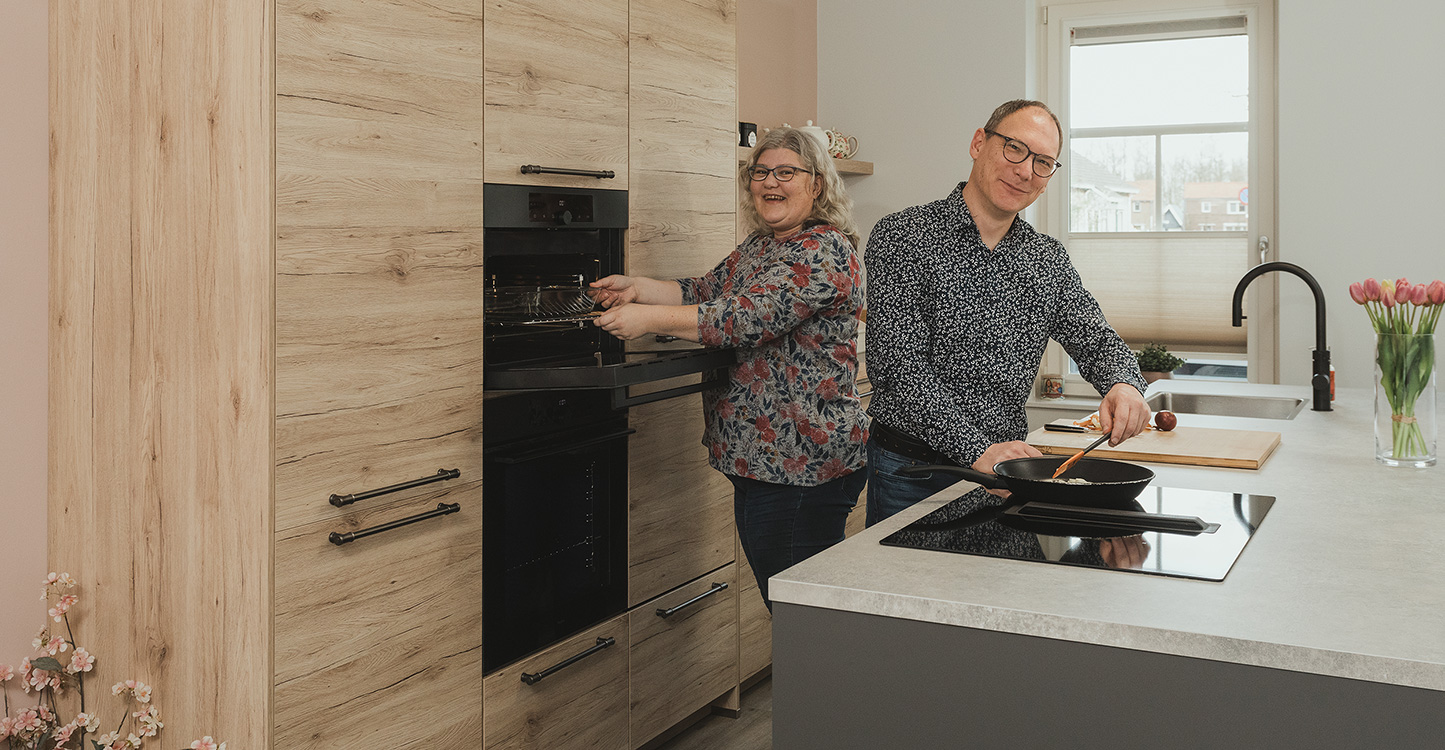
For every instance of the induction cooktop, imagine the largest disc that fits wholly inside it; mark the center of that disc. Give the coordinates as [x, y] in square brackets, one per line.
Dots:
[1167, 531]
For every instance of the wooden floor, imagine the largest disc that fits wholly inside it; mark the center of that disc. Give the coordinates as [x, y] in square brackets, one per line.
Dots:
[752, 730]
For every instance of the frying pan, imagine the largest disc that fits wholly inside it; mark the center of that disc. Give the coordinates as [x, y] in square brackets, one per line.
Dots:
[1111, 484]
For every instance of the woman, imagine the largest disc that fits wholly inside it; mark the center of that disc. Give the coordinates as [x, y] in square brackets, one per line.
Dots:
[788, 429]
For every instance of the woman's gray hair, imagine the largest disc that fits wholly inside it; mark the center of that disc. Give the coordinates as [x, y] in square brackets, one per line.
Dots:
[832, 206]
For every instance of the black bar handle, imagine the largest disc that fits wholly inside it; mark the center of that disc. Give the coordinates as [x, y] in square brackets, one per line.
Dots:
[341, 501]
[621, 399]
[601, 174]
[339, 538]
[533, 679]
[518, 458]
[716, 587]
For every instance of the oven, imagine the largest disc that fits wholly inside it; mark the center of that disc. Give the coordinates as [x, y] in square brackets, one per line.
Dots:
[554, 417]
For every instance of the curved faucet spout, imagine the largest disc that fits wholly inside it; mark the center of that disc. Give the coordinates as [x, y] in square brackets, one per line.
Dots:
[1321, 378]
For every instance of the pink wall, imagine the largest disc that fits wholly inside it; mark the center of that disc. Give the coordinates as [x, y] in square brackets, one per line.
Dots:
[777, 62]
[24, 182]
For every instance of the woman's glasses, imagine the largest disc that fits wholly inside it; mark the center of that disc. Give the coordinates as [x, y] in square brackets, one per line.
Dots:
[783, 173]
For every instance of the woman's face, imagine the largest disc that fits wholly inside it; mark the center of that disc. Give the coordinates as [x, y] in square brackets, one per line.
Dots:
[784, 206]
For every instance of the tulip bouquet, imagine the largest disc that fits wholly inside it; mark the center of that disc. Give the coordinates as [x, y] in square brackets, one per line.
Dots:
[59, 666]
[1404, 316]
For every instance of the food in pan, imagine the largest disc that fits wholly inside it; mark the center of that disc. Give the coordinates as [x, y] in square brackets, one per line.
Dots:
[1067, 480]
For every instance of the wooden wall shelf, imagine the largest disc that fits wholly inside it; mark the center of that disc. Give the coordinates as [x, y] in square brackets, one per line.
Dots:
[844, 166]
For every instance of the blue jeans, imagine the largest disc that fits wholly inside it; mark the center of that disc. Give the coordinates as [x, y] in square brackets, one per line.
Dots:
[889, 491]
[782, 524]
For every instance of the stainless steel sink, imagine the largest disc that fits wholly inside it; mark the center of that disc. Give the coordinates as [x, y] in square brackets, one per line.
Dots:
[1258, 407]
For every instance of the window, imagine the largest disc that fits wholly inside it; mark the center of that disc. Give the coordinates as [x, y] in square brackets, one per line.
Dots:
[1135, 135]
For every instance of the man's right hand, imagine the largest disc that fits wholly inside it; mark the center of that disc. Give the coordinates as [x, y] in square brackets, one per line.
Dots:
[1003, 452]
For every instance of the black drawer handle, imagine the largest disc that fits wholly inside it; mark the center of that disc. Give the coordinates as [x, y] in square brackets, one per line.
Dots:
[601, 174]
[339, 538]
[533, 679]
[716, 587]
[341, 501]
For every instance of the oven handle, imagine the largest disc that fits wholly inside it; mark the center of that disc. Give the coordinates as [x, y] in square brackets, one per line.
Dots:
[519, 458]
[442, 475]
[339, 538]
[665, 613]
[533, 679]
[621, 399]
[601, 174]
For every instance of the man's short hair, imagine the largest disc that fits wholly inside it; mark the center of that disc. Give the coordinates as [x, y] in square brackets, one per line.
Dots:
[1010, 107]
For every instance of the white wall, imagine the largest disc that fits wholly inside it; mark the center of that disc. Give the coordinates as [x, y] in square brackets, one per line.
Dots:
[24, 181]
[912, 80]
[1353, 76]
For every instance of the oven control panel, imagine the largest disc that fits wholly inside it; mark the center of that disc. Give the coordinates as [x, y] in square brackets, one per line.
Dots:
[559, 208]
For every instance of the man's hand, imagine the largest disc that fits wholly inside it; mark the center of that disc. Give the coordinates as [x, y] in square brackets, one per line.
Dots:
[628, 322]
[1123, 413]
[614, 290]
[1003, 452]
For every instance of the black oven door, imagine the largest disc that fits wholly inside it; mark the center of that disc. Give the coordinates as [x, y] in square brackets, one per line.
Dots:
[554, 555]
[616, 379]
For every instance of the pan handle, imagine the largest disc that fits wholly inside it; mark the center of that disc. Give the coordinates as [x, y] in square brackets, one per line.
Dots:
[991, 481]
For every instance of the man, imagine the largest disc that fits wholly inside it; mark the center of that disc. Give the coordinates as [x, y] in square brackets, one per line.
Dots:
[963, 296]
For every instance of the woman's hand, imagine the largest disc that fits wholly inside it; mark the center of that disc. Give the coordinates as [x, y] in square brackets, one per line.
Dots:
[627, 322]
[612, 291]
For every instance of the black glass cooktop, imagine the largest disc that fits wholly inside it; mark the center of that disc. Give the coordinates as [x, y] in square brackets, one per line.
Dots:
[1167, 531]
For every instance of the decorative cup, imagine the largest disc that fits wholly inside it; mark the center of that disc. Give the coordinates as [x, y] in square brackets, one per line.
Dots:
[1051, 386]
[841, 146]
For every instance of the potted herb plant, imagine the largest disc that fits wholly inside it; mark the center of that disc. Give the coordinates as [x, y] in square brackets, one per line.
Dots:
[1155, 362]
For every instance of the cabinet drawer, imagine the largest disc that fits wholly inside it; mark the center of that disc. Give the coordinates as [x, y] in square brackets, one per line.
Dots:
[386, 625]
[581, 705]
[685, 660]
[680, 510]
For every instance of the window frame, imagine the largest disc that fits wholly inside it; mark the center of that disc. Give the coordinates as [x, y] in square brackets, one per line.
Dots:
[1052, 214]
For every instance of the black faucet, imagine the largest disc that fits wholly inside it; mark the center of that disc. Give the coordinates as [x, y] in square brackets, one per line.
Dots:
[1320, 381]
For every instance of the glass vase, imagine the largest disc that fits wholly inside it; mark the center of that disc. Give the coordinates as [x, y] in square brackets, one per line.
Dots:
[1405, 418]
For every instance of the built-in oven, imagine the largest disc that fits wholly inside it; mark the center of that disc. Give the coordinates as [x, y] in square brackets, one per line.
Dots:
[555, 422]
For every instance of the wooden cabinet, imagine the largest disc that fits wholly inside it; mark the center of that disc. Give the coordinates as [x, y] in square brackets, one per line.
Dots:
[755, 623]
[556, 90]
[268, 215]
[582, 704]
[684, 652]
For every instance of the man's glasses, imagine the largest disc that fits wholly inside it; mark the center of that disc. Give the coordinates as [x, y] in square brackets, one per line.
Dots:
[1016, 152]
[783, 173]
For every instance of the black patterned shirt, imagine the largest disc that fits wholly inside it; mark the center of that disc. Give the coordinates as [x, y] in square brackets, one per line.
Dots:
[790, 413]
[956, 331]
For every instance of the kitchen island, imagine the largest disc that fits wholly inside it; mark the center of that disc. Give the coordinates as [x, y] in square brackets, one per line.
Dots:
[1329, 631]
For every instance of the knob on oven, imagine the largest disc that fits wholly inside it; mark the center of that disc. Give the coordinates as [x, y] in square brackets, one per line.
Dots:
[563, 217]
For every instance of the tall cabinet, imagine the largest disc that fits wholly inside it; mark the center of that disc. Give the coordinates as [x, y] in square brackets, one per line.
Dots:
[266, 355]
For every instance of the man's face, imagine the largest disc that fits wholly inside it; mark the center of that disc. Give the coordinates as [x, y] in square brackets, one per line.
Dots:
[1009, 188]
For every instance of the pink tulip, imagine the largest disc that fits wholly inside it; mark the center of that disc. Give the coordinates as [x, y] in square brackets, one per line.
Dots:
[1388, 300]
[1419, 296]
[1437, 292]
[1402, 291]
[1357, 293]
[1387, 290]
[1372, 290]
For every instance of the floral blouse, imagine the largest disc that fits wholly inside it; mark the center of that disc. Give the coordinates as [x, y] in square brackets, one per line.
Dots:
[790, 414]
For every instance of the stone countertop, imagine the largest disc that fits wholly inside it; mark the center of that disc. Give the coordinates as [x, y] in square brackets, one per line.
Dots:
[1345, 577]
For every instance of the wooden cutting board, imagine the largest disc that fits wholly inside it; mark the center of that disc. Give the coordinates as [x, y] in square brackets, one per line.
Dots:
[1197, 446]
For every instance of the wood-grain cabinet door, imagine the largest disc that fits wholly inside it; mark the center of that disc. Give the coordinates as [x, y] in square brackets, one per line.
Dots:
[580, 705]
[684, 652]
[378, 641]
[680, 510]
[378, 248]
[683, 105]
[556, 90]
